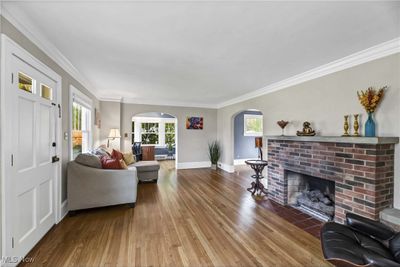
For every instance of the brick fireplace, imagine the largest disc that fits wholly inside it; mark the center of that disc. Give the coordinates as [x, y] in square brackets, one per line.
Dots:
[362, 169]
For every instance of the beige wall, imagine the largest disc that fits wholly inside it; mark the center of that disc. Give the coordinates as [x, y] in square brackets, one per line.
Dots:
[192, 144]
[67, 80]
[323, 102]
[110, 118]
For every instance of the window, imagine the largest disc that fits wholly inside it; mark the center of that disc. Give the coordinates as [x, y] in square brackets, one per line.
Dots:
[25, 82]
[253, 125]
[150, 133]
[170, 134]
[81, 123]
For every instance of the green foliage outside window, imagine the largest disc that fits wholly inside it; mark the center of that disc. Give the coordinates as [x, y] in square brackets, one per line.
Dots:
[170, 135]
[150, 133]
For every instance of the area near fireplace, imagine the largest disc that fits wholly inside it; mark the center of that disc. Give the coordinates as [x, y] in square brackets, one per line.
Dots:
[361, 168]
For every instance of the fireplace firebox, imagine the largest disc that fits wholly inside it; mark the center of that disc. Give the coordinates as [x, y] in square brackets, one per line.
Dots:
[311, 195]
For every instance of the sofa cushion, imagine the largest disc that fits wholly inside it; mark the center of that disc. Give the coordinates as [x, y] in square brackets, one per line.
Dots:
[129, 158]
[89, 160]
[123, 164]
[110, 163]
[117, 155]
[147, 166]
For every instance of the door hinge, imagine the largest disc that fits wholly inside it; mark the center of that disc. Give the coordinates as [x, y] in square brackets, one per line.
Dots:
[12, 159]
[12, 78]
[12, 242]
[59, 110]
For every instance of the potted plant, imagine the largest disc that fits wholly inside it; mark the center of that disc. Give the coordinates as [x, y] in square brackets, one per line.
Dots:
[214, 153]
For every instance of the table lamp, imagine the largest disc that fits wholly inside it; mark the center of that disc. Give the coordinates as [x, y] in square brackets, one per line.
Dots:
[259, 144]
[114, 133]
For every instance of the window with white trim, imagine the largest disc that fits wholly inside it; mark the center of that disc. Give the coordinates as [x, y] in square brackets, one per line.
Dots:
[81, 123]
[253, 125]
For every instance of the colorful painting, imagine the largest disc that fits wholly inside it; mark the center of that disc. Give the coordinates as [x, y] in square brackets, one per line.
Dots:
[194, 123]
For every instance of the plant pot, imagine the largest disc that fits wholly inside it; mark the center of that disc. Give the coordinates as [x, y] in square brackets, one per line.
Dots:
[214, 167]
[370, 126]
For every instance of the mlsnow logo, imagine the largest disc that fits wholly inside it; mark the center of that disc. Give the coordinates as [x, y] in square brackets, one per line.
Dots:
[16, 259]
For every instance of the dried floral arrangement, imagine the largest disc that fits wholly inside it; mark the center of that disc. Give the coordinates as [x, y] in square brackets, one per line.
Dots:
[370, 98]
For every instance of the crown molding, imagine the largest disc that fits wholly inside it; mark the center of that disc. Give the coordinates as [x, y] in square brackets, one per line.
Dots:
[49, 49]
[111, 99]
[161, 102]
[369, 54]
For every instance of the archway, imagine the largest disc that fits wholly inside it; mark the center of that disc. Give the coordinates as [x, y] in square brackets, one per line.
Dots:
[246, 126]
[157, 134]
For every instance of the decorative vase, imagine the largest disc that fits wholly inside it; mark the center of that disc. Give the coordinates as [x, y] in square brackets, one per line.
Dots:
[370, 126]
[214, 167]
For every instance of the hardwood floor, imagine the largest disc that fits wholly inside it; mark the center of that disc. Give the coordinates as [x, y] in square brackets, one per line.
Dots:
[190, 218]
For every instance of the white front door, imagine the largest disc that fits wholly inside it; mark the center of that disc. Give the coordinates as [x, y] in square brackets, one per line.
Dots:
[31, 115]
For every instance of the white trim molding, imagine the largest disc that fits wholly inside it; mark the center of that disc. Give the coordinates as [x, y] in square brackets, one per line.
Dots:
[64, 209]
[378, 51]
[226, 167]
[193, 165]
[160, 102]
[49, 49]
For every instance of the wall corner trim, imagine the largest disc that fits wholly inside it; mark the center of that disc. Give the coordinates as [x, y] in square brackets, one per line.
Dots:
[226, 167]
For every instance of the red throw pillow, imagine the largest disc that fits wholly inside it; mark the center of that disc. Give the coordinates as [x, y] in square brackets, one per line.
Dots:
[109, 163]
[117, 155]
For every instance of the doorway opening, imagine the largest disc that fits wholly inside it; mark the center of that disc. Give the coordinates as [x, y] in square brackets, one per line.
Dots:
[247, 125]
[155, 135]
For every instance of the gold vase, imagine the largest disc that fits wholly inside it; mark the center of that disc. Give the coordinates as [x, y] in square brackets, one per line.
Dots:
[356, 126]
[346, 126]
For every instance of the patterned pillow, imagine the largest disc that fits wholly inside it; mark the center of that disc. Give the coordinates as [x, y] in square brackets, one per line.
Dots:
[109, 163]
[129, 158]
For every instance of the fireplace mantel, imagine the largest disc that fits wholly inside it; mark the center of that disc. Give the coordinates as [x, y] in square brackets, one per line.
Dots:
[338, 139]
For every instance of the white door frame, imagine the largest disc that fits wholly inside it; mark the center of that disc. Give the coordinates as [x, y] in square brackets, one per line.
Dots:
[10, 49]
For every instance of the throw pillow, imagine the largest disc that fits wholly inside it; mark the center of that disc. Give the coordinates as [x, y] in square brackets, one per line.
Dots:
[89, 160]
[123, 164]
[129, 158]
[109, 163]
[117, 155]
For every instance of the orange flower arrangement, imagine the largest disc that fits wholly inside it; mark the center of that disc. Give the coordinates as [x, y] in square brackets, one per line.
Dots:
[371, 98]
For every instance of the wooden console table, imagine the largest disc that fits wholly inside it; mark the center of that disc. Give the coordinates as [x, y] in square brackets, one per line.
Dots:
[148, 152]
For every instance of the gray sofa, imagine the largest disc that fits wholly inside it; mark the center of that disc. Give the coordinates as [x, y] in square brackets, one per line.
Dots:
[91, 187]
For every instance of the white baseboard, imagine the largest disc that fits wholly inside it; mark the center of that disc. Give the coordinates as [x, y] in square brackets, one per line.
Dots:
[64, 209]
[194, 165]
[226, 167]
[240, 161]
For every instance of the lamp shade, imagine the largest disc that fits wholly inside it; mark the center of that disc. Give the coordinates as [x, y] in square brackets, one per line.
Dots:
[114, 133]
[258, 142]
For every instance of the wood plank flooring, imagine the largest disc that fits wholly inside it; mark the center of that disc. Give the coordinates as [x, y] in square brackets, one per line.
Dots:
[193, 217]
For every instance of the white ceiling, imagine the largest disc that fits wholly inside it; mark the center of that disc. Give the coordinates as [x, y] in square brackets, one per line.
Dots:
[203, 53]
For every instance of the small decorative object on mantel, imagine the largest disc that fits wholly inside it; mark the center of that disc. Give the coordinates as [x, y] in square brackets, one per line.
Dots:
[356, 126]
[370, 99]
[346, 126]
[282, 124]
[307, 130]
